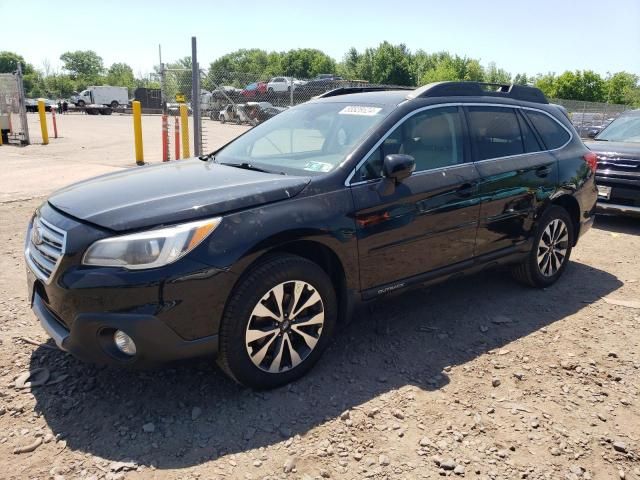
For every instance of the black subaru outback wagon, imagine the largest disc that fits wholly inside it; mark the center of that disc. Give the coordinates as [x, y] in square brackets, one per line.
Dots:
[255, 252]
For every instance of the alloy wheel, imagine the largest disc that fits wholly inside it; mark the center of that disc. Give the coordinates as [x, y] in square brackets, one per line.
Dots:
[552, 247]
[285, 326]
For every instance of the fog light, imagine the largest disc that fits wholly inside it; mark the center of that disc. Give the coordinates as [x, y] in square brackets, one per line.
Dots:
[124, 343]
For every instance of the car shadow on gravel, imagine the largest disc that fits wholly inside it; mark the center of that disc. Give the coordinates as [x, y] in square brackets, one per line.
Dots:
[618, 224]
[191, 413]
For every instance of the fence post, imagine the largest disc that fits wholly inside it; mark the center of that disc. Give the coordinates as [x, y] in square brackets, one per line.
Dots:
[23, 108]
[55, 125]
[177, 138]
[291, 93]
[195, 98]
[43, 122]
[184, 118]
[137, 132]
[165, 138]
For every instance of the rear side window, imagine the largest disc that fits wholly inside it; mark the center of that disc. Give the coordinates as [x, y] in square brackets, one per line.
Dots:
[496, 132]
[531, 143]
[552, 134]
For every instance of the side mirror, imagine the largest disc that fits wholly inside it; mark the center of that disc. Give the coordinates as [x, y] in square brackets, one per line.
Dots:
[398, 166]
[592, 133]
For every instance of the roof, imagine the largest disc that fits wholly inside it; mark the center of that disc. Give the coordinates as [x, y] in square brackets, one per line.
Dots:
[391, 96]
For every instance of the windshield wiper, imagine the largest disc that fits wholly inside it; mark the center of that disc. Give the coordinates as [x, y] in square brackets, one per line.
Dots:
[600, 139]
[248, 166]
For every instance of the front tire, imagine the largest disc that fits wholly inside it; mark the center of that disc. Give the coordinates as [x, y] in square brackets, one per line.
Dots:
[277, 323]
[551, 250]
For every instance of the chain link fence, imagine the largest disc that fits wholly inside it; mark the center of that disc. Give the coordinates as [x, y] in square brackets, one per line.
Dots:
[589, 118]
[13, 117]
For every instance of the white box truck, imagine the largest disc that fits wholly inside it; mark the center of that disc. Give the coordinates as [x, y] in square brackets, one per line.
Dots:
[102, 95]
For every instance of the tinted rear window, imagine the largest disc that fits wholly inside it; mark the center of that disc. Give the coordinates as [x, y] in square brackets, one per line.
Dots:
[496, 132]
[552, 134]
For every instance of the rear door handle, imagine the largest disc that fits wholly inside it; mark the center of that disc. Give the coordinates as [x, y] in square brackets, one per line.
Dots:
[466, 189]
[543, 171]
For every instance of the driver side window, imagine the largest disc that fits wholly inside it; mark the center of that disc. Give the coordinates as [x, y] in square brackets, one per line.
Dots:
[432, 137]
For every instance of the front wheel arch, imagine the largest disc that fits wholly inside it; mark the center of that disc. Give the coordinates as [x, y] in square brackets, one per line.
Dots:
[321, 255]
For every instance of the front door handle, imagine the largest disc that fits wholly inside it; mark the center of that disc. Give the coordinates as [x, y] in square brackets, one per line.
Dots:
[543, 171]
[466, 189]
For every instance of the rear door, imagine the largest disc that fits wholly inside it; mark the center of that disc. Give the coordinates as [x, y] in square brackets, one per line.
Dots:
[429, 220]
[517, 175]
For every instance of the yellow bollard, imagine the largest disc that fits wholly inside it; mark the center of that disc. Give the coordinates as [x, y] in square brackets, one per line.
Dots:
[137, 132]
[184, 119]
[43, 122]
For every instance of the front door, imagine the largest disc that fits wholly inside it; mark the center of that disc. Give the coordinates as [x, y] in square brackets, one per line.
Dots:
[427, 221]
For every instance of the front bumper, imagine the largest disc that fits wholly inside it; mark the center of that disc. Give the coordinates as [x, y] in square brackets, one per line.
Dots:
[90, 338]
[616, 209]
[171, 312]
[624, 196]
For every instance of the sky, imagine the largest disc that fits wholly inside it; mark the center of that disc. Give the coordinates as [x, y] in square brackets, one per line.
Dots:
[522, 37]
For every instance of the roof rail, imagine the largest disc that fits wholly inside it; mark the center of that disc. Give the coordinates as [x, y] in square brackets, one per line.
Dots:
[479, 89]
[347, 90]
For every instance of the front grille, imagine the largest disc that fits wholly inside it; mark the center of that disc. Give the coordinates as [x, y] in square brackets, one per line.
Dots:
[45, 247]
[619, 165]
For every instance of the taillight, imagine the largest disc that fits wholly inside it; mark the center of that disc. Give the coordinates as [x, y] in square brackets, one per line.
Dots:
[592, 160]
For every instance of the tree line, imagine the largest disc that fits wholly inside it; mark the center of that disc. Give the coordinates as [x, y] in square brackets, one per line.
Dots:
[385, 64]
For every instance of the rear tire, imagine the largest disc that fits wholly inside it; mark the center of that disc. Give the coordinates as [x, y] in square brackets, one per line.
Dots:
[115, 104]
[551, 250]
[278, 321]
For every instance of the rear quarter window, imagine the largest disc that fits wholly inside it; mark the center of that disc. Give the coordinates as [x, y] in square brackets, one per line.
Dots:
[552, 133]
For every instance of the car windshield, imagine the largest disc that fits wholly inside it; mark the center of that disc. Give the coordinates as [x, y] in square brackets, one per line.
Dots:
[625, 128]
[309, 138]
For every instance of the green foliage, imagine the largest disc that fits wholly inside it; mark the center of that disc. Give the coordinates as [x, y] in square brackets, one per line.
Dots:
[493, 74]
[9, 63]
[301, 63]
[624, 88]
[385, 64]
[581, 85]
[120, 75]
[83, 64]
[522, 79]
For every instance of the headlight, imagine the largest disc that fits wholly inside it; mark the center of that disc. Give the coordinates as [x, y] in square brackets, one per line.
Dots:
[150, 249]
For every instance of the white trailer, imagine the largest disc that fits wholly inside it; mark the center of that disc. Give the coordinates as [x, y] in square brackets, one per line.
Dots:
[102, 95]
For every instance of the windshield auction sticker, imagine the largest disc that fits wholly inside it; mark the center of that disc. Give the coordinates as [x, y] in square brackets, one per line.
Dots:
[318, 166]
[360, 110]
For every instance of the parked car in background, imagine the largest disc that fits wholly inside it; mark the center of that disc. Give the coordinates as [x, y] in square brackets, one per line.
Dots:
[234, 113]
[174, 108]
[102, 95]
[283, 84]
[31, 104]
[321, 83]
[589, 124]
[254, 89]
[256, 251]
[618, 175]
[258, 112]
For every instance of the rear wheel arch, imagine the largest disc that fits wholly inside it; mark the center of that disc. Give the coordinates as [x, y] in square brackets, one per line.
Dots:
[570, 204]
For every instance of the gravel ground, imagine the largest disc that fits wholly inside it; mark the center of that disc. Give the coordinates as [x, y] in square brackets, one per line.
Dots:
[476, 378]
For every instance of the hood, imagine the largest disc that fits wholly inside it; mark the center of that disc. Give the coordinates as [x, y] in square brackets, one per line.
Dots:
[629, 150]
[170, 193]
